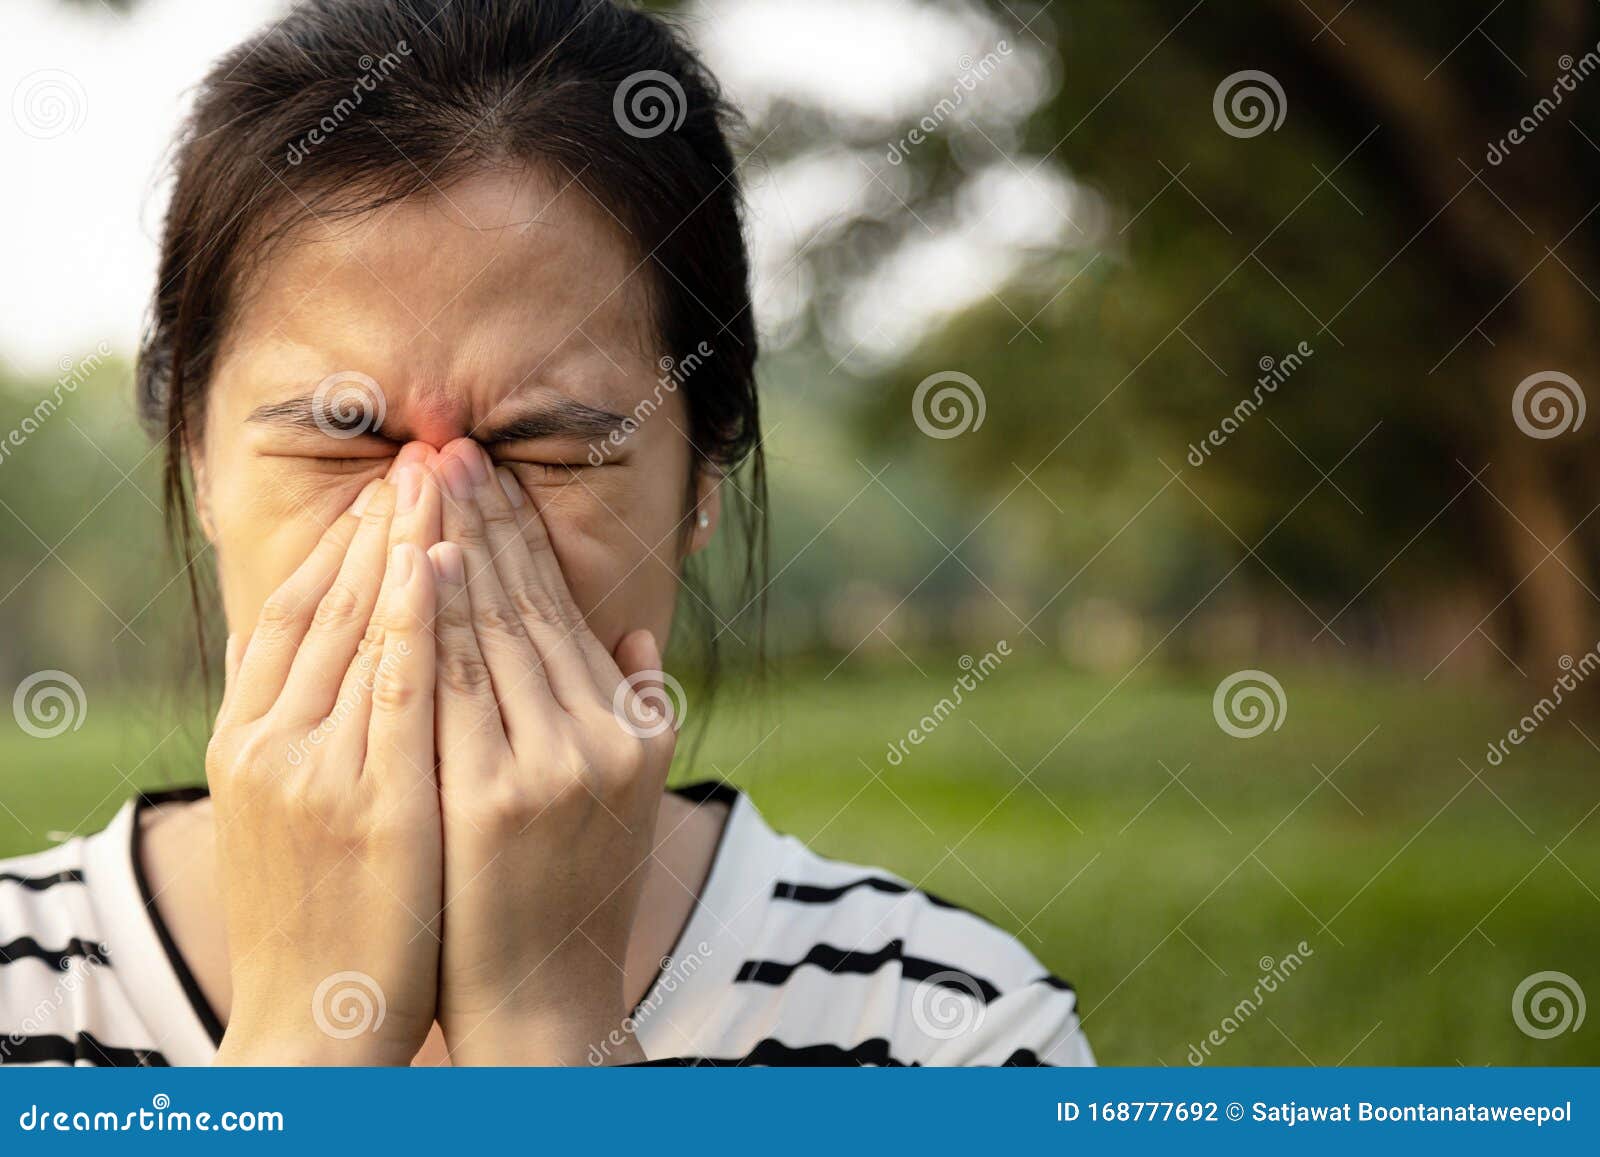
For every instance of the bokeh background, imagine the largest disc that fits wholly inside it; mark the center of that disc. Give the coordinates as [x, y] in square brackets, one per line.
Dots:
[1373, 225]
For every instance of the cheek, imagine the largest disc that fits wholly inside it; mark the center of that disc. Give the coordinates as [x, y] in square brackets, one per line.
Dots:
[619, 556]
[267, 514]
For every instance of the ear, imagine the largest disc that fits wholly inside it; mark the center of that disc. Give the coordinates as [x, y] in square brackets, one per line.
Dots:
[707, 510]
[202, 492]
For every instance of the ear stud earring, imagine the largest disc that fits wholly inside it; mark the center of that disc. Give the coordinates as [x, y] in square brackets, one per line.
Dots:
[704, 520]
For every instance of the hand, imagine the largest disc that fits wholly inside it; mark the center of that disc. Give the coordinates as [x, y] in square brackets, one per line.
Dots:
[549, 803]
[327, 817]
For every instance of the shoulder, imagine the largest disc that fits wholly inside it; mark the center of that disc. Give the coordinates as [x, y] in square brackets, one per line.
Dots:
[847, 963]
[60, 1000]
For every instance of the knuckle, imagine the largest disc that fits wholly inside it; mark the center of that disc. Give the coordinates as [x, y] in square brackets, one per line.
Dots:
[501, 619]
[469, 535]
[392, 693]
[281, 612]
[500, 519]
[533, 602]
[340, 607]
[464, 674]
[372, 638]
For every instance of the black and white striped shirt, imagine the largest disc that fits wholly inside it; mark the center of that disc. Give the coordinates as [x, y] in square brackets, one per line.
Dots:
[787, 959]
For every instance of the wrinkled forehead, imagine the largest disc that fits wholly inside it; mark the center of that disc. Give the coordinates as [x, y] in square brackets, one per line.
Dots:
[453, 302]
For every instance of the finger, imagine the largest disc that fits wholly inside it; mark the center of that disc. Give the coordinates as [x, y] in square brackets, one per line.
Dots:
[416, 523]
[470, 734]
[534, 584]
[400, 751]
[548, 577]
[345, 611]
[281, 624]
[521, 686]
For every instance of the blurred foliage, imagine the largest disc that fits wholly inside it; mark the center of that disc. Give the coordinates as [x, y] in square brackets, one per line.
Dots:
[1427, 282]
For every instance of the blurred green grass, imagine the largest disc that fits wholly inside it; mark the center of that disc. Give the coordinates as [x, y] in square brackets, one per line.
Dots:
[1045, 803]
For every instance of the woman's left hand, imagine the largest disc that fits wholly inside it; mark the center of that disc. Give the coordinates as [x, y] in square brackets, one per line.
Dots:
[551, 769]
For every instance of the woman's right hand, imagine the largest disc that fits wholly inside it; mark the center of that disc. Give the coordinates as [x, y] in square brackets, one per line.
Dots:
[321, 769]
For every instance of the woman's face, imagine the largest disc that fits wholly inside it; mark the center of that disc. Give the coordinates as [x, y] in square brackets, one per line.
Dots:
[508, 308]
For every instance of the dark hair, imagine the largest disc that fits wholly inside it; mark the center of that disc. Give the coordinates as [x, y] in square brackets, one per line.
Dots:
[348, 105]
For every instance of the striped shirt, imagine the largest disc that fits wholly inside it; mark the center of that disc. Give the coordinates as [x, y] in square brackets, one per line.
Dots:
[787, 959]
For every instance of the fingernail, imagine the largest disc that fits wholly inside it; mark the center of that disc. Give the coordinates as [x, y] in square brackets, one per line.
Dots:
[478, 463]
[408, 482]
[509, 484]
[400, 562]
[457, 478]
[359, 506]
[447, 564]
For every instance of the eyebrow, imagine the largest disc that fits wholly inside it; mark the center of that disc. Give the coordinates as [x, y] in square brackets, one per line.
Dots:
[545, 418]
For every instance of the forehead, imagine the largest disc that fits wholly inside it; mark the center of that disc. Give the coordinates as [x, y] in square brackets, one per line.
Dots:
[501, 284]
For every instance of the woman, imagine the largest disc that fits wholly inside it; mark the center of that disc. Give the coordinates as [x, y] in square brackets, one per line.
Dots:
[408, 345]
